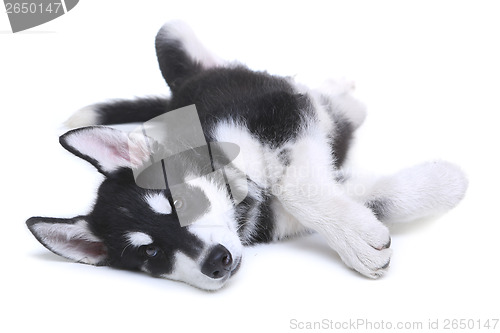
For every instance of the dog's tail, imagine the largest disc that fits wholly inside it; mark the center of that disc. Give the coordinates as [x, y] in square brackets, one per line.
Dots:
[418, 192]
[121, 111]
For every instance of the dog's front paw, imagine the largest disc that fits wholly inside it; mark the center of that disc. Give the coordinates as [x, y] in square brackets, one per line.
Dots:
[365, 248]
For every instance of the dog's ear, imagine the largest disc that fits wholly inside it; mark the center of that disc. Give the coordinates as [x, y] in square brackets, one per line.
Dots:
[106, 148]
[69, 238]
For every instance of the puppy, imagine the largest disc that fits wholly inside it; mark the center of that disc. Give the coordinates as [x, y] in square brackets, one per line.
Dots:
[285, 177]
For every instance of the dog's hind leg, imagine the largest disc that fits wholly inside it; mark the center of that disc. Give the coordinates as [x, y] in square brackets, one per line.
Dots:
[120, 111]
[181, 54]
[344, 110]
[338, 96]
[418, 192]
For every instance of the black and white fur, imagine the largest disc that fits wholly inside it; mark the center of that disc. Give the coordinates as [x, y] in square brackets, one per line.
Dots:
[293, 143]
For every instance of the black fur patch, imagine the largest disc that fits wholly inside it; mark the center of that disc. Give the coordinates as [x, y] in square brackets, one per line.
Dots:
[265, 222]
[243, 213]
[284, 157]
[261, 228]
[109, 222]
[266, 104]
[341, 140]
[379, 207]
[341, 177]
[175, 64]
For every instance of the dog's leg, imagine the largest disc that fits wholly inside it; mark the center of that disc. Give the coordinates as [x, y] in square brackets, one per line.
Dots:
[310, 193]
[421, 191]
[181, 54]
[119, 112]
[346, 113]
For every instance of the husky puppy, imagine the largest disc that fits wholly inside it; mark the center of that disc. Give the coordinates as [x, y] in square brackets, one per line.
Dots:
[293, 143]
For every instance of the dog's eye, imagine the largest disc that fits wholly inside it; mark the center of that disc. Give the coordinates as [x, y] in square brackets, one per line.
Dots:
[178, 204]
[152, 251]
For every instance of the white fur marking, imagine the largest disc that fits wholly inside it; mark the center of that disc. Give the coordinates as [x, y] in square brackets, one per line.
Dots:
[158, 203]
[188, 270]
[137, 238]
[259, 163]
[218, 225]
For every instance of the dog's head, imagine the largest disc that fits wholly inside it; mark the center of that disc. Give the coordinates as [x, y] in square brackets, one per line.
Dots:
[134, 228]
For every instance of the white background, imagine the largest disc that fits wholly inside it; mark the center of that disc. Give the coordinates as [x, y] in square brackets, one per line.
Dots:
[429, 72]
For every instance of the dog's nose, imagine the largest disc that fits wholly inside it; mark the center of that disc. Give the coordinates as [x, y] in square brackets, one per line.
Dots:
[218, 263]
